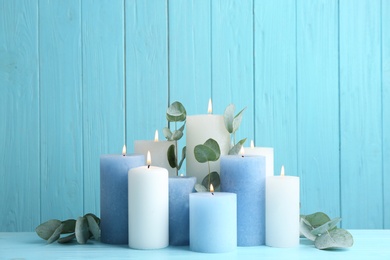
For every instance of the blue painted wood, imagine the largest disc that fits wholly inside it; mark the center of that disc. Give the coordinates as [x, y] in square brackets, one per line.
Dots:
[103, 90]
[146, 69]
[386, 109]
[275, 98]
[19, 116]
[61, 109]
[318, 106]
[232, 60]
[360, 114]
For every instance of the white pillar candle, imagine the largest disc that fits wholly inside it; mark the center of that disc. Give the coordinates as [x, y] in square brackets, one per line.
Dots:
[282, 211]
[268, 152]
[200, 128]
[158, 149]
[148, 207]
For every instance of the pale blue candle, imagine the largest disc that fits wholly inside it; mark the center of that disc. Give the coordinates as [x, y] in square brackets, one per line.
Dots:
[245, 176]
[179, 215]
[213, 222]
[114, 197]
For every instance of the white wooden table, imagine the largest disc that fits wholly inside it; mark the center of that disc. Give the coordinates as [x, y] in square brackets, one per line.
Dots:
[369, 244]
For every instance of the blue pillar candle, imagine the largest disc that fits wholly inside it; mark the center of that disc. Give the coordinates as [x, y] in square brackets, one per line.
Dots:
[245, 176]
[179, 219]
[113, 196]
[213, 222]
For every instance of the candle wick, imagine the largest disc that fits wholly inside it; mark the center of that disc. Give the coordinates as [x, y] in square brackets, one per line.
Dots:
[123, 154]
[148, 166]
[212, 193]
[242, 156]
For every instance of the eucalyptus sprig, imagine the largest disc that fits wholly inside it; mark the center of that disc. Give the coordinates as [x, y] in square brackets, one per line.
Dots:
[82, 229]
[175, 113]
[232, 123]
[318, 227]
[208, 152]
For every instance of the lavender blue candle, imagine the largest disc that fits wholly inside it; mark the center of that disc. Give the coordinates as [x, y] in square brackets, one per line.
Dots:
[245, 176]
[179, 220]
[114, 197]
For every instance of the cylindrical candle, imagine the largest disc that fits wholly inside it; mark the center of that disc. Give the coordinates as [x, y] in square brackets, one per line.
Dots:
[179, 219]
[245, 176]
[148, 208]
[268, 152]
[200, 128]
[213, 222]
[113, 196]
[282, 211]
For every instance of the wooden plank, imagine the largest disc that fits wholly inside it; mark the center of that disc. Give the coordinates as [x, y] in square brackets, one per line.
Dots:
[386, 109]
[19, 113]
[146, 69]
[103, 90]
[275, 81]
[61, 109]
[360, 114]
[232, 60]
[318, 107]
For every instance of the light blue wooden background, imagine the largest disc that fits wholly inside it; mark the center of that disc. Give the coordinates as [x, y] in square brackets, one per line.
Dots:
[80, 78]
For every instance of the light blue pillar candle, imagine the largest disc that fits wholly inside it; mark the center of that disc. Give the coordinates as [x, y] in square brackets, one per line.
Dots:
[213, 222]
[245, 176]
[179, 215]
[113, 196]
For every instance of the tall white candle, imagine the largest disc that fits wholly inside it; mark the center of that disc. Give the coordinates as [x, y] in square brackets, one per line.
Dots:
[268, 152]
[282, 211]
[158, 149]
[148, 207]
[200, 128]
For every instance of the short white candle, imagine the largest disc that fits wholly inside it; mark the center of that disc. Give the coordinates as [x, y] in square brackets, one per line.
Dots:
[282, 211]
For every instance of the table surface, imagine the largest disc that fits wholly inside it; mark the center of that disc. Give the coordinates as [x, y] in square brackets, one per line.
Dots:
[368, 244]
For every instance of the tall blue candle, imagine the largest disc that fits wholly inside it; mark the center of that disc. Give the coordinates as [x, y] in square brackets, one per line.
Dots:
[179, 219]
[245, 176]
[114, 196]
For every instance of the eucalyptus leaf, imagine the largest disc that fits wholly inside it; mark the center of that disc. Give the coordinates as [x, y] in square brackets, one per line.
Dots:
[237, 120]
[46, 229]
[69, 226]
[94, 216]
[56, 235]
[211, 178]
[204, 154]
[325, 227]
[213, 145]
[176, 112]
[177, 134]
[306, 229]
[200, 188]
[82, 230]
[336, 238]
[93, 227]
[228, 117]
[167, 133]
[171, 156]
[237, 147]
[183, 157]
[316, 219]
[66, 239]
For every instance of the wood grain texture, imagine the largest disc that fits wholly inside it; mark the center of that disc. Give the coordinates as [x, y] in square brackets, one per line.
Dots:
[61, 109]
[103, 90]
[275, 81]
[386, 109]
[146, 68]
[232, 60]
[360, 112]
[19, 113]
[318, 108]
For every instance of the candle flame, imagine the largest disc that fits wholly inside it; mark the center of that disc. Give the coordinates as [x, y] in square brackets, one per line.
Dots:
[148, 159]
[210, 107]
[252, 144]
[156, 136]
[124, 150]
[242, 151]
[211, 188]
[282, 171]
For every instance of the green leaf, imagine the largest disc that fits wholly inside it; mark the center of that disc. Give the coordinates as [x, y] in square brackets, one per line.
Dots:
[56, 234]
[237, 120]
[176, 112]
[69, 226]
[316, 219]
[237, 147]
[167, 133]
[228, 117]
[171, 156]
[94, 216]
[93, 227]
[203, 153]
[66, 239]
[305, 229]
[46, 229]
[336, 238]
[183, 157]
[177, 134]
[213, 145]
[214, 179]
[82, 230]
[325, 227]
[200, 188]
